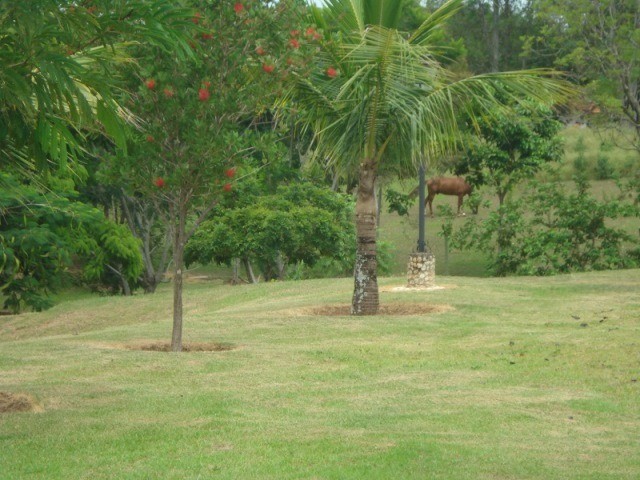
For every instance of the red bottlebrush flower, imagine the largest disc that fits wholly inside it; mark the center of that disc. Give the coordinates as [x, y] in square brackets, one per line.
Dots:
[206, 84]
[196, 18]
[332, 72]
[150, 138]
[268, 68]
[260, 51]
[203, 94]
[168, 92]
[207, 36]
[294, 33]
[238, 7]
[317, 36]
[151, 84]
[227, 187]
[310, 31]
[159, 182]
[293, 43]
[230, 172]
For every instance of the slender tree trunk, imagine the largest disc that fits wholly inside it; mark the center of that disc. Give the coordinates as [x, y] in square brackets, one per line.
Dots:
[502, 194]
[250, 276]
[141, 219]
[179, 240]
[281, 265]
[495, 37]
[126, 288]
[235, 280]
[446, 255]
[335, 183]
[365, 293]
[124, 283]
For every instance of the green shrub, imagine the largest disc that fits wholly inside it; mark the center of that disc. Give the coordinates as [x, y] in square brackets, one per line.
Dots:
[581, 165]
[550, 231]
[43, 236]
[299, 225]
[398, 202]
[604, 169]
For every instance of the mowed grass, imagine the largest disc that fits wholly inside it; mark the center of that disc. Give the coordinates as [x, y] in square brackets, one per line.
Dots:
[524, 378]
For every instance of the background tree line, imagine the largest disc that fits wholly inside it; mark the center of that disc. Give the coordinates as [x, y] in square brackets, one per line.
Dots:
[124, 126]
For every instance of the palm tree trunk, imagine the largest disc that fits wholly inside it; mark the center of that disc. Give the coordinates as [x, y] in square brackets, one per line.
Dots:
[365, 293]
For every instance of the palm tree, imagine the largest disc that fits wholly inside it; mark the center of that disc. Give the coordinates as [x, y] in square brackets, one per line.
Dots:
[380, 96]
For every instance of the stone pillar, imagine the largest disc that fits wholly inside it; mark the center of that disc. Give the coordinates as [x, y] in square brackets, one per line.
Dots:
[421, 271]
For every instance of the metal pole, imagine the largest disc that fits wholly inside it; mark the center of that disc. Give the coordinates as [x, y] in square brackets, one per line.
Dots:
[421, 212]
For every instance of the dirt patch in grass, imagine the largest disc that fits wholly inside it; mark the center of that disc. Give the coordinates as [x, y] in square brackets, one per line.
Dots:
[385, 309]
[186, 347]
[404, 288]
[17, 402]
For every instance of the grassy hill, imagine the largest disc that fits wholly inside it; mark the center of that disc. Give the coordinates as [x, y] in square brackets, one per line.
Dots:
[534, 378]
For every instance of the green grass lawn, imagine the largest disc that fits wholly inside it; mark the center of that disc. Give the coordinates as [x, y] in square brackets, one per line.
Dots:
[522, 378]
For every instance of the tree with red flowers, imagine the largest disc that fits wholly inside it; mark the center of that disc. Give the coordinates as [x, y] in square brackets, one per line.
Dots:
[201, 116]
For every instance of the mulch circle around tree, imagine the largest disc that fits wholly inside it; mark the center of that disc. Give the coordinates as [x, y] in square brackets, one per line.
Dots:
[398, 309]
[17, 402]
[186, 347]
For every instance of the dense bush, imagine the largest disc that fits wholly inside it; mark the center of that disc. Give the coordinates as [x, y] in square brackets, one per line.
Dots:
[41, 236]
[557, 232]
[299, 223]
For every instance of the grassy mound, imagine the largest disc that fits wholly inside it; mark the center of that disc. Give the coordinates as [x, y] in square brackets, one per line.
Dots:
[532, 378]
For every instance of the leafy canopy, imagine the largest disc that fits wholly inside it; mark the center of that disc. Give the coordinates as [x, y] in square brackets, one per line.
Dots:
[391, 97]
[57, 70]
[42, 237]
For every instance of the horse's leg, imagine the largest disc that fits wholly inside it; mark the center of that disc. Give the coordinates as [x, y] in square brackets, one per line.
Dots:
[429, 201]
[460, 197]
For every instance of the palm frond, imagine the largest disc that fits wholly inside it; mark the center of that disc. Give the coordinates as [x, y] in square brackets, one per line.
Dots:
[425, 32]
[382, 13]
[394, 100]
[346, 15]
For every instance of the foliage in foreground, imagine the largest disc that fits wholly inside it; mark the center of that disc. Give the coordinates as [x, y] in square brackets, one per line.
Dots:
[511, 148]
[57, 64]
[42, 236]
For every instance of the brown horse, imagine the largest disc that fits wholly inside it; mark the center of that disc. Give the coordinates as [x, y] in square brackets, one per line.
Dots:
[447, 186]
